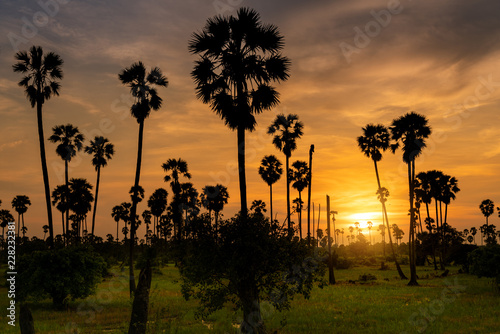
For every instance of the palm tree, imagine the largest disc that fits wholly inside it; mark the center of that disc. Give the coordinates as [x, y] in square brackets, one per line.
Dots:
[487, 208]
[351, 229]
[258, 206]
[121, 212]
[299, 175]
[369, 225]
[239, 59]
[20, 203]
[101, 150]
[5, 218]
[270, 170]
[80, 200]
[381, 229]
[410, 131]
[41, 76]
[309, 181]
[372, 143]
[60, 198]
[286, 130]
[157, 203]
[473, 231]
[142, 87]
[69, 140]
[213, 198]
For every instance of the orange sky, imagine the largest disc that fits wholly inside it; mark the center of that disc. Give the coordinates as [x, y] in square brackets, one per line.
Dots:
[440, 59]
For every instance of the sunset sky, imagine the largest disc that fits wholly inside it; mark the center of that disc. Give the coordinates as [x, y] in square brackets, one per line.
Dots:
[353, 63]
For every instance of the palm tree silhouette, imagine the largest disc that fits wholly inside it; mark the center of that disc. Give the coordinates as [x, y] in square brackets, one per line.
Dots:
[369, 225]
[487, 208]
[60, 198]
[381, 229]
[101, 150]
[41, 76]
[309, 181]
[69, 140]
[239, 59]
[270, 170]
[121, 212]
[410, 131]
[5, 218]
[372, 143]
[20, 203]
[80, 201]
[213, 198]
[473, 231]
[157, 203]
[351, 229]
[299, 175]
[45, 230]
[286, 130]
[258, 206]
[142, 87]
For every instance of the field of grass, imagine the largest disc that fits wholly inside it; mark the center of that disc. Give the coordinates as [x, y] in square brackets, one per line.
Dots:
[459, 303]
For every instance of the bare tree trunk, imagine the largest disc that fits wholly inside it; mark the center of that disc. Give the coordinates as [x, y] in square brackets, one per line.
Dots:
[140, 305]
[96, 194]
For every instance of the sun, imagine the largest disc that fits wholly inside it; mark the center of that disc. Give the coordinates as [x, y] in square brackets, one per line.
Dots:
[363, 218]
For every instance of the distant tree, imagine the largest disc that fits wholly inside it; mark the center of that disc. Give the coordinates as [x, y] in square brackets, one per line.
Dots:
[157, 203]
[239, 59]
[487, 208]
[101, 150]
[286, 131]
[369, 226]
[270, 170]
[409, 132]
[60, 198]
[5, 218]
[381, 229]
[351, 229]
[473, 232]
[142, 87]
[42, 73]
[81, 199]
[258, 207]
[177, 168]
[121, 212]
[20, 203]
[299, 175]
[213, 198]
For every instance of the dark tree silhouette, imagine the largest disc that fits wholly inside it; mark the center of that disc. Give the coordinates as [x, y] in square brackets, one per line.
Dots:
[409, 132]
[270, 170]
[299, 175]
[157, 202]
[146, 98]
[60, 198]
[5, 218]
[20, 204]
[41, 76]
[101, 150]
[121, 212]
[373, 142]
[286, 131]
[213, 198]
[309, 181]
[80, 200]
[239, 59]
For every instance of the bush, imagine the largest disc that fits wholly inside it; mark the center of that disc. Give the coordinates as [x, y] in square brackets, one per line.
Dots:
[485, 262]
[367, 277]
[343, 263]
[62, 274]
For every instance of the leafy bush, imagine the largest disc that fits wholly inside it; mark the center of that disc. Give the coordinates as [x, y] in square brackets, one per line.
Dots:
[343, 263]
[62, 274]
[485, 262]
[367, 277]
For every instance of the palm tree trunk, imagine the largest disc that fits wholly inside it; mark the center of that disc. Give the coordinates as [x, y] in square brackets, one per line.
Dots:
[311, 150]
[133, 210]
[66, 180]
[300, 215]
[271, 199]
[400, 272]
[413, 269]
[62, 217]
[241, 170]
[96, 194]
[22, 217]
[18, 224]
[45, 173]
[288, 196]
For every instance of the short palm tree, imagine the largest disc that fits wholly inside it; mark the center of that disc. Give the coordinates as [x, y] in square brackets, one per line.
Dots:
[5, 218]
[157, 203]
[213, 198]
[146, 98]
[286, 131]
[270, 170]
[70, 141]
[41, 81]
[239, 59]
[60, 198]
[121, 212]
[20, 203]
[299, 175]
[101, 150]
[487, 208]
[410, 131]
[80, 200]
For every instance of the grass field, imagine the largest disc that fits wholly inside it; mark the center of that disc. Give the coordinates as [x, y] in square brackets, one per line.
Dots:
[459, 303]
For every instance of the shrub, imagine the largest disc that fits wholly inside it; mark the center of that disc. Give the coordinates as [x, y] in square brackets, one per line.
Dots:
[485, 262]
[62, 274]
[367, 277]
[343, 263]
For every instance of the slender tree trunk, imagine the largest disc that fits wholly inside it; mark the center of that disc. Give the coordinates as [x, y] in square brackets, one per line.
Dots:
[271, 200]
[241, 169]
[22, 217]
[288, 195]
[309, 184]
[63, 227]
[252, 317]
[331, 275]
[133, 210]
[18, 224]
[300, 215]
[400, 271]
[66, 180]
[96, 194]
[45, 173]
[313, 224]
[413, 271]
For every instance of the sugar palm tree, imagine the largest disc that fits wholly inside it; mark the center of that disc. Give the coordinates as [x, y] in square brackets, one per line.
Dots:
[20, 204]
[81, 199]
[45, 230]
[60, 198]
[101, 150]
[146, 98]
[410, 131]
[213, 198]
[41, 75]
[157, 203]
[374, 141]
[381, 229]
[370, 225]
[309, 181]
[239, 59]
[286, 131]
[121, 212]
[270, 170]
[5, 218]
[487, 208]
[299, 176]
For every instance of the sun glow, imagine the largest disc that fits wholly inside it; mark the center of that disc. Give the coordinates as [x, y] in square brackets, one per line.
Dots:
[364, 218]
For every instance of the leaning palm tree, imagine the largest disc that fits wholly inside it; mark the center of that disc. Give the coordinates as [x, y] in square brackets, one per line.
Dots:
[373, 142]
[142, 87]
[286, 131]
[299, 175]
[70, 141]
[20, 203]
[101, 150]
[41, 76]
[239, 59]
[270, 170]
[410, 131]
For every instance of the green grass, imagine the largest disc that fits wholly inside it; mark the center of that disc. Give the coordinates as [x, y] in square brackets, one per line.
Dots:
[459, 303]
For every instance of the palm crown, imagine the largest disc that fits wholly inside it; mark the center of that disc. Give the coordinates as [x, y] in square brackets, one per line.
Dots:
[411, 130]
[70, 140]
[290, 129]
[299, 175]
[375, 139]
[102, 151]
[270, 169]
[177, 167]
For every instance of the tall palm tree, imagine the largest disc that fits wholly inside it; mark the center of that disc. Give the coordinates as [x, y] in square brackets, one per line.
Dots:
[146, 98]
[20, 203]
[487, 208]
[69, 140]
[101, 150]
[60, 198]
[213, 198]
[157, 203]
[41, 76]
[286, 131]
[309, 181]
[381, 229]
[299, 175]
[374, 141]
[239, 59]
[410, 131]
[270, 170]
